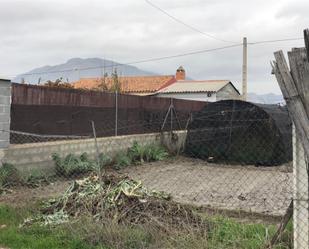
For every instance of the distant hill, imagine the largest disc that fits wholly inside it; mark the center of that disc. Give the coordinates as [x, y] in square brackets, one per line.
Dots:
[69, 71]
[269, 98]
[77, 68]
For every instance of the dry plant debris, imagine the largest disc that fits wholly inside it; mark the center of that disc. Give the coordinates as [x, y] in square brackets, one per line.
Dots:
[117, 199]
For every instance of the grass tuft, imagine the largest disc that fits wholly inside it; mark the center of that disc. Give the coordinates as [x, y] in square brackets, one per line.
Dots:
[87, 233]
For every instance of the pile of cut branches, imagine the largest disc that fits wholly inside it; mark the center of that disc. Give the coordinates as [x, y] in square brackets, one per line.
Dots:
[117, 199]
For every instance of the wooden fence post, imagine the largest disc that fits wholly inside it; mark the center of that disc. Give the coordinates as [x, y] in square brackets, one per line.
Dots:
[294, 84]
[300, 195]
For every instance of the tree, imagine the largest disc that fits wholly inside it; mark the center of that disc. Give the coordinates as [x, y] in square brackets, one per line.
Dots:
[116, 85]
[102, 86]
[58, 83]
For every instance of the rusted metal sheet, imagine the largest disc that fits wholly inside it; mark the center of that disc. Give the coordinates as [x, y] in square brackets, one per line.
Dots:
[43, 110]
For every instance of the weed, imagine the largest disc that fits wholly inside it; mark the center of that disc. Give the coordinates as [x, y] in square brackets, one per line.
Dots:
[9, 176]
[105, 160]
[148, 153]
[87, 233]
[154, 152]
[115, 235]
[136, 153]
[122, 160]
[73, 164]
[227, 233]
[35, 179]
[35, 237]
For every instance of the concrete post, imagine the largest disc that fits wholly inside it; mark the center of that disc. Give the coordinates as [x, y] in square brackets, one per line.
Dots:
[5, 113]
[244, 69]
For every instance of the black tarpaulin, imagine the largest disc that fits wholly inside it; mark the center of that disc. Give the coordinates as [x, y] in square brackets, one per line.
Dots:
[235, 131]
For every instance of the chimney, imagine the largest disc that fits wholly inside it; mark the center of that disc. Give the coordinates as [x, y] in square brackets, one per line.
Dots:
[180, 73]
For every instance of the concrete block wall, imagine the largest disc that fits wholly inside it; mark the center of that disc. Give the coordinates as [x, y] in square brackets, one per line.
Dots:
[5, 109]
[37, 156]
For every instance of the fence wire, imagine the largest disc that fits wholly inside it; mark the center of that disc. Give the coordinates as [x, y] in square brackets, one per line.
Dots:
[224, 180]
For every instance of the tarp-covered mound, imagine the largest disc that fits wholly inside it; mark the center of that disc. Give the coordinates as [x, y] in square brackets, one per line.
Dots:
[234, 131]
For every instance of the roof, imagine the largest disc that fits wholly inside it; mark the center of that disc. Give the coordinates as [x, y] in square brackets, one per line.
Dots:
[129, 84]
[192, 86]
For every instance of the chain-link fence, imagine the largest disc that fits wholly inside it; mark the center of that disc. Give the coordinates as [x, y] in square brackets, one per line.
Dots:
[300, 194]
[224, 181]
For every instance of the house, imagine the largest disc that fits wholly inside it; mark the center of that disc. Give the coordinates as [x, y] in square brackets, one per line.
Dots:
[200, 90]
[135, 85]
[166, 86]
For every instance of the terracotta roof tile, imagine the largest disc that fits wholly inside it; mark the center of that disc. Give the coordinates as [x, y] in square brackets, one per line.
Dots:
[129, 84]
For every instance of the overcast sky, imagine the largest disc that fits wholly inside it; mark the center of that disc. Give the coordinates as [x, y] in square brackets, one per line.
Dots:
[35, 33]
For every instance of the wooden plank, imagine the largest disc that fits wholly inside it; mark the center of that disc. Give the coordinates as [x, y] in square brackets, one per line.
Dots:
[295, 89]
[293, 99]
[284, 222]
[300, 72]
[300, 195]
[306, 37]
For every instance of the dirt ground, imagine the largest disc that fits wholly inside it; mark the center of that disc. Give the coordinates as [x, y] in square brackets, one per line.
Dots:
[23, 196]
[263, 190]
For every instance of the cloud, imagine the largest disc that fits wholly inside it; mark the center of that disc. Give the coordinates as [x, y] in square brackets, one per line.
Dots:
[45, 32]
[294, 11]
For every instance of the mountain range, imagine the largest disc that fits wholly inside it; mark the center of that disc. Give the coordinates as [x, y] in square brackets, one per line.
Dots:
[269, 98]
[77, 68]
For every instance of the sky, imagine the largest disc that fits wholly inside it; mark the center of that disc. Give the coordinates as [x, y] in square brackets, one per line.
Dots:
[36, 33]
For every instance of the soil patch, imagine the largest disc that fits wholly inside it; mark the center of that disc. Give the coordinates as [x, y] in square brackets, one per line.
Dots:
[23, 196]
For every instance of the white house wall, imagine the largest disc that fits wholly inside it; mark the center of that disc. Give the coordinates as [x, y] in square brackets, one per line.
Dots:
[189, 96]
[227, 92]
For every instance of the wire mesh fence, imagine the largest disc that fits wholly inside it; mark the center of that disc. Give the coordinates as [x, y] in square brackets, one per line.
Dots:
[225, 180]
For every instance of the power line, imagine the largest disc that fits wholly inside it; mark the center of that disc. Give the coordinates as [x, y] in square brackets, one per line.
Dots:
[273, 41]
[212, 36]
[161, 58]
[138, 61]
[185, 24]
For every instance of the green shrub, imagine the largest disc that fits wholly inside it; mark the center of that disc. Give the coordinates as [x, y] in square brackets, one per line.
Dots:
[154, 152]
[122, 160]
[105, 160]
[148, 153]
[136, 153]
[9, 176]
[35, 179]
[73, 164]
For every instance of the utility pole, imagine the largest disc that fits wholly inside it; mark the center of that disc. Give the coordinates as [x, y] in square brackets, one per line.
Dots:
[116, 112]
[244, 69]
